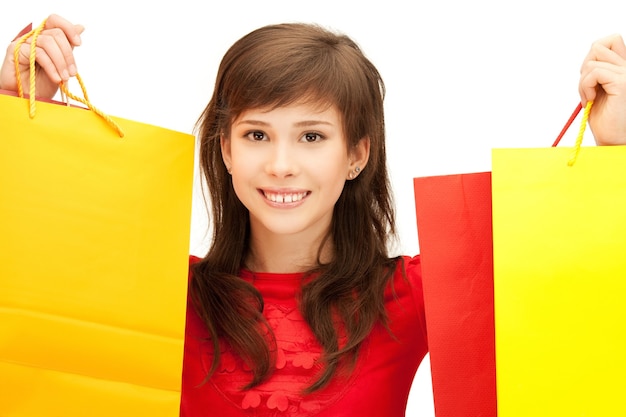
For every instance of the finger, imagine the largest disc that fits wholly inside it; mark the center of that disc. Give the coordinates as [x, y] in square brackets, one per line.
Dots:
[613, 42]
[65, 59]
[71, 31]
[54, 45]
[49, 67]
[609, 49]
[60, 50]
[596, 74]
[42, 58]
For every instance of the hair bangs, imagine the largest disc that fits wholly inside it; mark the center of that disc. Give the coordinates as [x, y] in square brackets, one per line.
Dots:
[310, 68]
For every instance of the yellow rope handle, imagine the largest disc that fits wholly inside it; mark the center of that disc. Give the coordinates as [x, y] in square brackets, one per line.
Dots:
[91, 107]
[20, 90]
[581, 131]
[32, 102]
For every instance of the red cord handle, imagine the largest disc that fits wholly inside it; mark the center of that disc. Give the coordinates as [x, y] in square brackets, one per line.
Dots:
[568, 124]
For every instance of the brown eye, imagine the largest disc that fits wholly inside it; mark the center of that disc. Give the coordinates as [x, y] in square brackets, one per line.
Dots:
[256, 135]
[312, 137]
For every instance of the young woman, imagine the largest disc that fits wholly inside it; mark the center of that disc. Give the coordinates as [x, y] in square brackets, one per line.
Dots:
[298, 309]
[297, 289]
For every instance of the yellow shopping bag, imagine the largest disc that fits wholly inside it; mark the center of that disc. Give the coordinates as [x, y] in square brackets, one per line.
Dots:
[559, 235]
[94, 238]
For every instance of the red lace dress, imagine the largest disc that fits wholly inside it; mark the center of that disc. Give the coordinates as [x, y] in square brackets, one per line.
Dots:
[378, 386]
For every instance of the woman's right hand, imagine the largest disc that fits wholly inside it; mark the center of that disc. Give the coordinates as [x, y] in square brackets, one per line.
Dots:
[54, 57]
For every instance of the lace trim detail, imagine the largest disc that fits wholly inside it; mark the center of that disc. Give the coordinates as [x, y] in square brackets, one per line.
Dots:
[296, 367]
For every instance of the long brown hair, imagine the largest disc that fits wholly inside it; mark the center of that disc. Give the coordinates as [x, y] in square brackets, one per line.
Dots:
[274, 66]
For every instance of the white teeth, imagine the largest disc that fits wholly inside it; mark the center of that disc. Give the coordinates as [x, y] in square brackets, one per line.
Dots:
[284, 198]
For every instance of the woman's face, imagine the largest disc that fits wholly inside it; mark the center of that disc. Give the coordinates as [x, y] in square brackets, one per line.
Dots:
[289, 166]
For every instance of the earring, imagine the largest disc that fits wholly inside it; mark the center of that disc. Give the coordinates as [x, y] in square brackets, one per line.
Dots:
[353, 175]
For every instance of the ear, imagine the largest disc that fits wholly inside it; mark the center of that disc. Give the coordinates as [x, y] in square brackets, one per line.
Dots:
[359, 155]
[226, 154]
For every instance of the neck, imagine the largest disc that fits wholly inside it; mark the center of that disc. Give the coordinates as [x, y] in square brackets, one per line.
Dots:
[284, 253]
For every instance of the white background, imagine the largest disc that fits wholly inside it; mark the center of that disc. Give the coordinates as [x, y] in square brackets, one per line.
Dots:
[462, 77]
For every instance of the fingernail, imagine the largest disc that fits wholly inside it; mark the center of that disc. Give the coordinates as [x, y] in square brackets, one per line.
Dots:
[77, 40]
[65, 75]
[73, 70]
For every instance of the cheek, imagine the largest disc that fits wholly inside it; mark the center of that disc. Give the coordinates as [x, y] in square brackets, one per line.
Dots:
[245, 162]
[242, 188]
[242, 170]
[331, 172]
[336, 163]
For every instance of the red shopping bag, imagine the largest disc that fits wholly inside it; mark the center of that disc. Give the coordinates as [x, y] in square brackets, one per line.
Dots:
[455, 238]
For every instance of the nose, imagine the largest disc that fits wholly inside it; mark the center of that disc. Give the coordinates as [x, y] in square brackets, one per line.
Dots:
[281, 160]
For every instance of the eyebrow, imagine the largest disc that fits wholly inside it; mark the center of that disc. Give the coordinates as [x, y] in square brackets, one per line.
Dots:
[303, 123]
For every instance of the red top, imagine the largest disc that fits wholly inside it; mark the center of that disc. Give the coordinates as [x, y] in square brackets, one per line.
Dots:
[379, 385]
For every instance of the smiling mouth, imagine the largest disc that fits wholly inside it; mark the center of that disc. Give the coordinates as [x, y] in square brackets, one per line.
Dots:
[285, 197]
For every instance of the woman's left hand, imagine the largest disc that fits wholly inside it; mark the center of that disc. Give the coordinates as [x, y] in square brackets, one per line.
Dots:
[603, 81]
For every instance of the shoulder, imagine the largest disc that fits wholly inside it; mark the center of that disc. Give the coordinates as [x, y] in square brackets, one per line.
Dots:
[409, 267]
[405, 295]
[193, 260]
[407, 278]
[409, 274]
